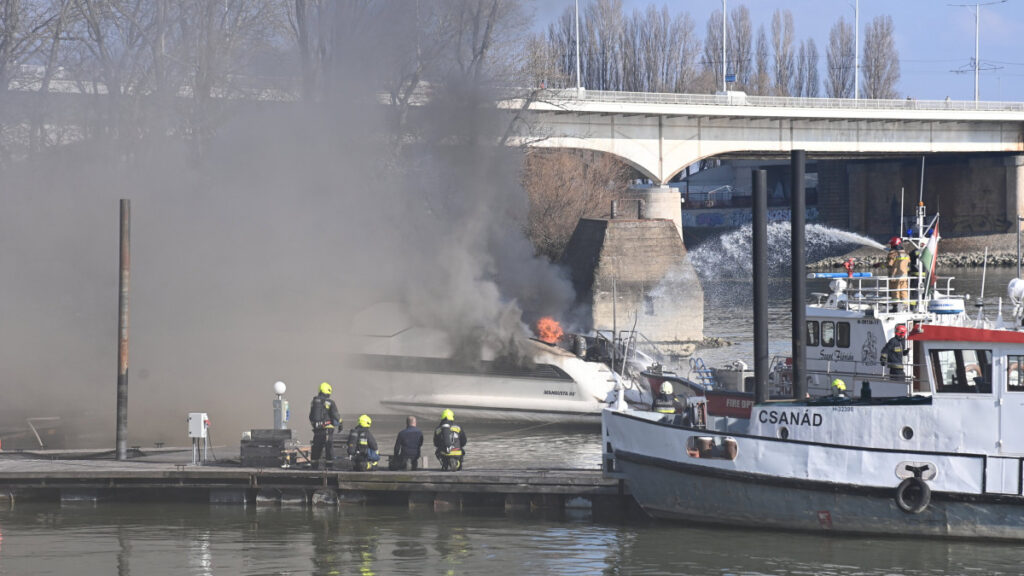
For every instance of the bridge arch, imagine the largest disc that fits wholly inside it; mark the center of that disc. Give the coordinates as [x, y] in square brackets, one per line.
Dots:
[591, 145]
[660, 135]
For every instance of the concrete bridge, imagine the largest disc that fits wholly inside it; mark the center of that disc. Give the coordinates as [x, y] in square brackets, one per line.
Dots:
[661, 134]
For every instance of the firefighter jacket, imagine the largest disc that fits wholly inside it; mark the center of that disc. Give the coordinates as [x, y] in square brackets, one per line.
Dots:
[323, 413]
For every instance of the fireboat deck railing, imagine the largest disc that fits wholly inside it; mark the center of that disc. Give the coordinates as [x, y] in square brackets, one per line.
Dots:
[880, 292]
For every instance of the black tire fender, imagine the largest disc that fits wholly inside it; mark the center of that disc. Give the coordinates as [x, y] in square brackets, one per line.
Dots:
[913, 495]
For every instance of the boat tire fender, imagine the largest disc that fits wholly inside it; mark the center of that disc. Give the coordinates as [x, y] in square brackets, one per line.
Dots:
[913, 495]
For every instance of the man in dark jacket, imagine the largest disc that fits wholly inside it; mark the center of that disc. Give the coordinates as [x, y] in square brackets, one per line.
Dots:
[325, 419]
[407, 446]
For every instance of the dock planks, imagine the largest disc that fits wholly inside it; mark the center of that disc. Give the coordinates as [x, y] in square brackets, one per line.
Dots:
[30, 478]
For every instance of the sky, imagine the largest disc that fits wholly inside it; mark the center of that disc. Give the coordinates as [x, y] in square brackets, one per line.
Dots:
[933, 38]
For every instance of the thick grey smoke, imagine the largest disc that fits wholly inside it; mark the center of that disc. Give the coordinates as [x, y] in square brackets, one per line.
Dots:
[249, 260]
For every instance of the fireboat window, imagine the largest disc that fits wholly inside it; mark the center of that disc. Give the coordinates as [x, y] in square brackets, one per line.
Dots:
[828, 333]
[812, 333]
[963, 371]
[843, 335]
[1015, 373]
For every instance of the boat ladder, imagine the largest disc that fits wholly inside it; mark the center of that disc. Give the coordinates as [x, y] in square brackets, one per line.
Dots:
[703, 374]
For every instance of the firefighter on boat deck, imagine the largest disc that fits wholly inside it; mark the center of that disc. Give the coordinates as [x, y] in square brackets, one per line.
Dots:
[324, 417]
[666, 402]
[898, 264]
[362, 446]
[449, 442]
[895, 350]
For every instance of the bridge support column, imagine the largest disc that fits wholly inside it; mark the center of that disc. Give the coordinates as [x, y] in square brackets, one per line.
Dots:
[659, 202]
[1014, 190]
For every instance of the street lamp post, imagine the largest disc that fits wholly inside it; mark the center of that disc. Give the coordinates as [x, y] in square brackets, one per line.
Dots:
[856, 50]
[579, 82]
[977, 36]
[724, 88]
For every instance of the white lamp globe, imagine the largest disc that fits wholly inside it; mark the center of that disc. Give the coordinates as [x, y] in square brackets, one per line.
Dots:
[279, 388]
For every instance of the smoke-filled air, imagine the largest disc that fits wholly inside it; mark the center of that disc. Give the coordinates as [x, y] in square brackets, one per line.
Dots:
[289, 164]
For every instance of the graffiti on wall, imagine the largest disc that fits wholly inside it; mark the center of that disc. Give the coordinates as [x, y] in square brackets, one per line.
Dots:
[736, 217]
[971, 224]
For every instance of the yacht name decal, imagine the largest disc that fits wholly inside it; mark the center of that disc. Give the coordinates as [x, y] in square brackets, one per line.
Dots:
[836, 355]
[559, 393]
[794, 418]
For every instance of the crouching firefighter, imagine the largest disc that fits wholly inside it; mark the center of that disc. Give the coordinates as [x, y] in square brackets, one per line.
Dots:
[362, 446]
[669, 404]
[324, 417]
[449, 442]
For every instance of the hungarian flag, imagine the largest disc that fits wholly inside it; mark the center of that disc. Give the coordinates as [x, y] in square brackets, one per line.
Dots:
[930, 253]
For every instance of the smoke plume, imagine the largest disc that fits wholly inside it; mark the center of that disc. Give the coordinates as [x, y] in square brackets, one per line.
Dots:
[251, 252]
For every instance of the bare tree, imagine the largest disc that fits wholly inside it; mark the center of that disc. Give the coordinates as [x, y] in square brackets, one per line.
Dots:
[24, 27]
[604, 23]
[762, 71]
[713, 48]
[839, 57]
[881, 68]
[812, 88]
[564, 186]
[686, 45]
[800, 78]
[561, 41]
[740, 40]
[783, 60]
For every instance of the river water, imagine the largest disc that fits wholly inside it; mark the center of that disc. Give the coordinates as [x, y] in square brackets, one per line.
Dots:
[157, 539]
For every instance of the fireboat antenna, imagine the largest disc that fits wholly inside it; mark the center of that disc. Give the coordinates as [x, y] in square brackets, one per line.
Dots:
[920, 190]
[981, 300]
[903, 195]
[615, 327]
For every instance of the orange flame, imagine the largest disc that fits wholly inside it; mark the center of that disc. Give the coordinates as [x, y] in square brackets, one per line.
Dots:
[548, 330]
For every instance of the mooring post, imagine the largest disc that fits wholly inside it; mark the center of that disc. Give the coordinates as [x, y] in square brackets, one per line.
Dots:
[798, 276]
[122, 329]
[760, 258]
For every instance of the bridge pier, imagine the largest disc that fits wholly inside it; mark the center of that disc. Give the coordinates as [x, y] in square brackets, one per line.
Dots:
[659, 202]
[1015, 190]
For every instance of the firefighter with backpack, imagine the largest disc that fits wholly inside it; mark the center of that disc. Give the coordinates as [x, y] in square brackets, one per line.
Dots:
[449, 442]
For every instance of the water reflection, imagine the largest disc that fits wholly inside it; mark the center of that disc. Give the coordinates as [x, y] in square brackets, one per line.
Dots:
[200, 540]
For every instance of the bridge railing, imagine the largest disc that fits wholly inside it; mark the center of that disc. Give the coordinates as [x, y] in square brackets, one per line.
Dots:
[740, 99]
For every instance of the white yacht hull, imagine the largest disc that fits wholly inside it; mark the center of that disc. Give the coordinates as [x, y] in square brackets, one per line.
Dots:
[574, 391]
[409, 369]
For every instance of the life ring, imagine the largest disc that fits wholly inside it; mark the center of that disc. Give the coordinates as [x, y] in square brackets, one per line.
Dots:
[913, 495]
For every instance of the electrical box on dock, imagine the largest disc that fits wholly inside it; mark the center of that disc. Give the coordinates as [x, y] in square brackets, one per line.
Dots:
[198, 423]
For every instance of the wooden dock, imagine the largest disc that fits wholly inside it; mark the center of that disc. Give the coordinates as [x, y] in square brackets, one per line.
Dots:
[70, 480]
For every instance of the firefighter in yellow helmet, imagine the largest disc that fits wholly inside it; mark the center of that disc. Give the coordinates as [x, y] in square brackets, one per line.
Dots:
[666, 402]
[449, 442]
[362, 446]
[325, 419]
[838, 388]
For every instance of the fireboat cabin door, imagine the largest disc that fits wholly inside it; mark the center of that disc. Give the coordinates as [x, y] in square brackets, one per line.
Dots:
[1003, 473]
[1009, 375]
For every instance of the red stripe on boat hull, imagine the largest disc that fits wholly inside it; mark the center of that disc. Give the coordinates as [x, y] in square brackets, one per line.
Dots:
[931, 332]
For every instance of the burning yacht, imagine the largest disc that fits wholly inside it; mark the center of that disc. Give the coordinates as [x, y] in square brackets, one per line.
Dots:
[552, 378]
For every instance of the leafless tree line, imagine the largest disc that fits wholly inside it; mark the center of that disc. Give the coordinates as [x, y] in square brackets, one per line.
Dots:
[145, 70]
[659, 51]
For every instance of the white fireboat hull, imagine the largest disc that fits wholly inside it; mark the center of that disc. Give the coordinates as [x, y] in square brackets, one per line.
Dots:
[832, 494]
